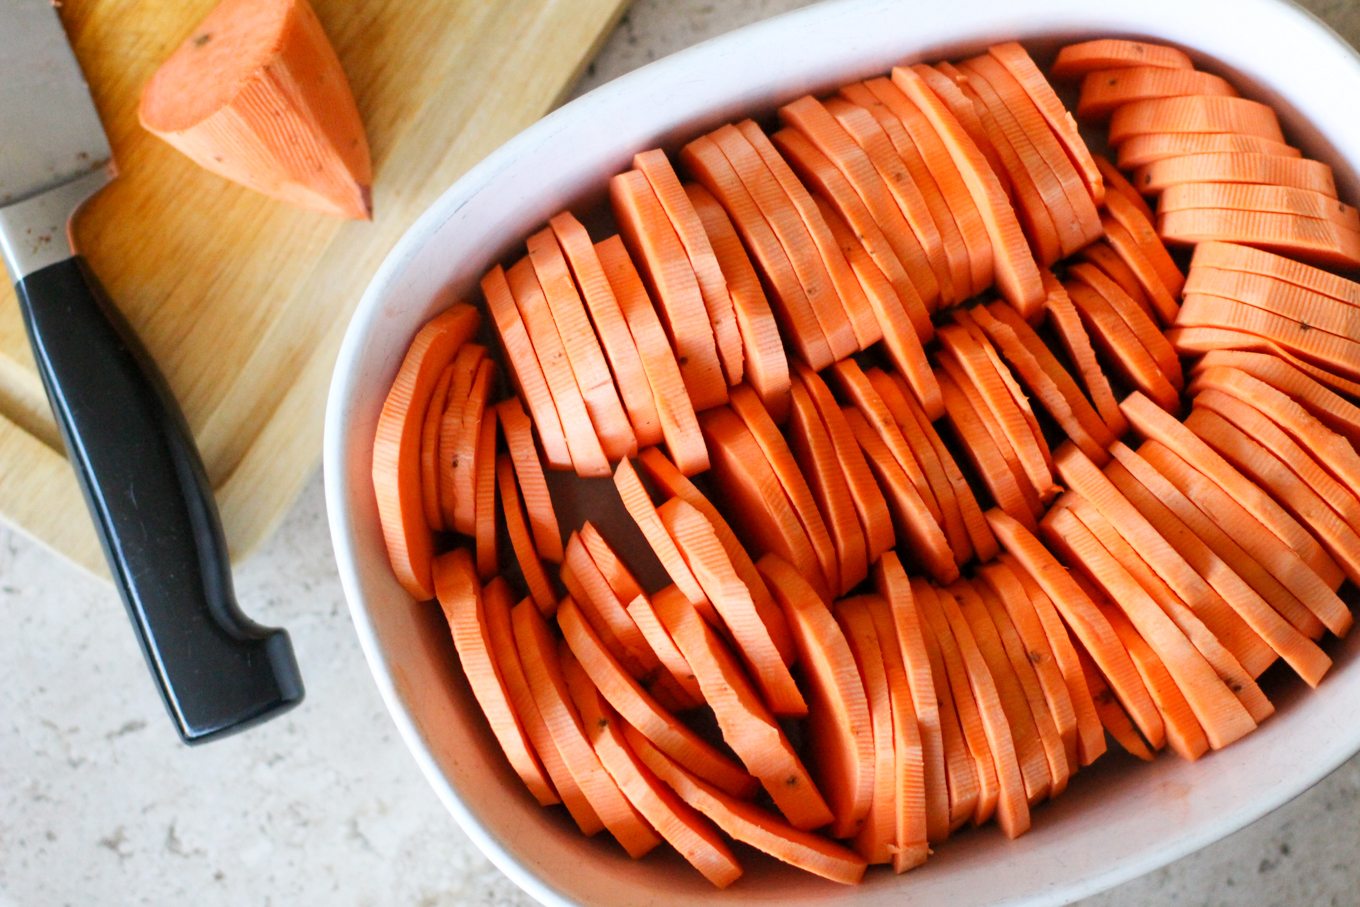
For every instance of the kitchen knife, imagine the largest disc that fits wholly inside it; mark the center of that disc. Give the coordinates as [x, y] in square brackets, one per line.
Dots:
[127, 439]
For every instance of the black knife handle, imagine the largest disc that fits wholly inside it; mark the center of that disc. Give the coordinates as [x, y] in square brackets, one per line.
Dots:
[153, 508]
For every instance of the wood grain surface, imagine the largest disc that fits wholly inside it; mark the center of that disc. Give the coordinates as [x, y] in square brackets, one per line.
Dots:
[242, 301]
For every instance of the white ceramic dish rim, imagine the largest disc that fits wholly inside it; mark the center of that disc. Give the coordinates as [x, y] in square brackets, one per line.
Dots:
[935, 29]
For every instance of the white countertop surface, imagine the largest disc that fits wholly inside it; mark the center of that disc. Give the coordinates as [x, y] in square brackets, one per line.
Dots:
[99, 802]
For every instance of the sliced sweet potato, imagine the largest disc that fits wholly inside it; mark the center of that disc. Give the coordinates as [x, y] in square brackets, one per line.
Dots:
[460, 595]
[1111, 53]
[630, 378]
[641, 711]
[766, 366]
[679, 427]
[653, 241]
[707, 163]
[839, 726]
[749, 824]
[396, 447]
[747, 726]
[258, 95]
[678, 824]
[690, 229]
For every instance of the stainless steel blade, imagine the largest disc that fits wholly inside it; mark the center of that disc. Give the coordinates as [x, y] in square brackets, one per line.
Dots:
[50, 132]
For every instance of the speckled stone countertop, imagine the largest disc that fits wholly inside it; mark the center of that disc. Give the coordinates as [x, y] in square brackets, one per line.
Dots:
[99, 803]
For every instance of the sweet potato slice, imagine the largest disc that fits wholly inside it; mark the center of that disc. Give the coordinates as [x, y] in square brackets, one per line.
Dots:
[835, 190]
[1218, 710]
[1123, 350]
[1162, 501]
[1021, 66]
[533, 485]
[816, 456]
[1104, 90]
[1112, 715]
[531, 568]
[839, 726]
[928, 456]
[1090, 735]
[749, 824]
[668, 479]
[690, 229]
[1196, 113]
[1319, 240]
[1137, 319]
[524, 368]
[1145, 149]
[943, 169]
[1305, 203]
[748, 407]
[451, 473]
[1298, 496]
[969, 350]
[1184, 734]
[1156, 425]
[460, 595]
[640, 507]
[900, 338]
[1279, 424]
[1329, 407]
[583, 348]
[1110, 53]
[1055, 753]
[763, 515]
[897, 592]
[500, 631]
[543, 670]
[641, 711]
[911, 516]
[1300, 419]
[1230, 257]
[651, 238]
[1084, 619]
[868, 499]
[257, 94]
[587, 454]
[903, 188]
[1031, 760]
[955, 248]
[1072, 205]
[846, 286]
[679, 426]
[911, 806]
[1225, 664]
[1067, 324]
[429, 450]
[796, 236]
[1045, 377]
[707, 163]
[1157, 552]
[1017, 275]
[747, 726]
[678, 824]
[698, 542]
[766, 366]
[1033, 195]
[876, 833]
[396, 470]
[630, 378]
[1235, 167]
[1026, 631]
[1291, 570]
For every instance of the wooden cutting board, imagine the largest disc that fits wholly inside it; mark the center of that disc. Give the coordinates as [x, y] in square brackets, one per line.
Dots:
[243, 301]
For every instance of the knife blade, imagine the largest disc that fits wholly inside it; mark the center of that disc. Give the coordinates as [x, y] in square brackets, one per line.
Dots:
[125, 436]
